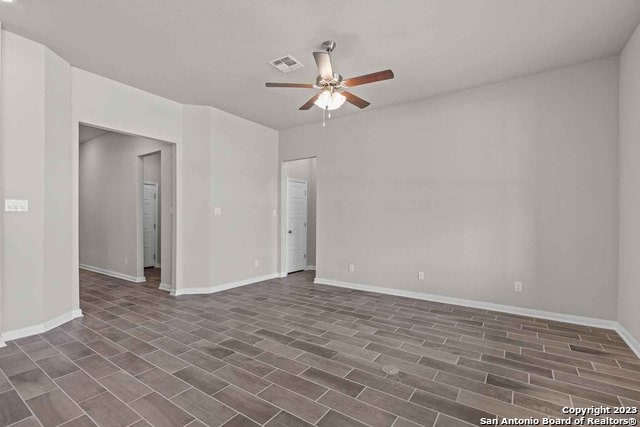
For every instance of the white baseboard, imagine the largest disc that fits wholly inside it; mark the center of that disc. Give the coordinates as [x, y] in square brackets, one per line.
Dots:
[165, 287]
[631, 341]
[223, 287]
[113, 273]
[157, 266]
[311, 267]
[283, 274]
[41, 327]
[548, 315]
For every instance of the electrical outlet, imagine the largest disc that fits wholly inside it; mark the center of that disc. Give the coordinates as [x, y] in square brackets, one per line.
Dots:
[217, 211]
[256, 263]
[420, 275]
[352, 268]
[517, 286]
[126, 260]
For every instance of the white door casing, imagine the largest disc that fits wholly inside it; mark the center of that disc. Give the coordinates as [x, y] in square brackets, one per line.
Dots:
[296, 225]
[149, 223]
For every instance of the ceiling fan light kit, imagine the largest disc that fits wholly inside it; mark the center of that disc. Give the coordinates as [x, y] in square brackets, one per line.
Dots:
[333, 88]
[330, 100]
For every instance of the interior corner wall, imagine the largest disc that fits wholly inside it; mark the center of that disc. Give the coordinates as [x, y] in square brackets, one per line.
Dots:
[513, 181]
[58, 274]
[229, 163]
[305, 169]
[196, 134]
[35, 164]
[40, 162]
[105, 103]
[203, 137]
[2, 343]
[629, 138]
[243, 184]
[110, 217]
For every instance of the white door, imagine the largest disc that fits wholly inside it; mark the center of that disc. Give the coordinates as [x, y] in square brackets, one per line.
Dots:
[149, 226]
[296, 225]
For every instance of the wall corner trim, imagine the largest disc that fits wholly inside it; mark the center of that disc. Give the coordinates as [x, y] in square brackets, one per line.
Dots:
[548, 315]
[115, 274]
[631, 341]
[42, 327]
[165, 287]
[224, 286]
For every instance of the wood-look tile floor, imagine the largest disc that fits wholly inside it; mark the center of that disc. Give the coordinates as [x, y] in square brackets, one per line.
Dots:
[152, 277]
[286, 352]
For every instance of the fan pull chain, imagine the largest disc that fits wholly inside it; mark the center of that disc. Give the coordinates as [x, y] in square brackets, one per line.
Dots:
[323, 122]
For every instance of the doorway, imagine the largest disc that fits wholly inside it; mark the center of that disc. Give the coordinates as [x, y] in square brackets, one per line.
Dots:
[149, 224]
[126, 205]
[298, 221]
[296, 225]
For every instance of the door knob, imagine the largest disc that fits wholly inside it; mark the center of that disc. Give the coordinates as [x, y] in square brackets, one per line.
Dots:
[290, 231]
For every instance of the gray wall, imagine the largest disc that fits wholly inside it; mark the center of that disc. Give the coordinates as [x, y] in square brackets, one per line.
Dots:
[629, 280]
[36, 245]
[110, 175]
[57, 177]
[305, 169]
[232, 164]
[243, 176]
[196, 181]
[44, 100]
[1, 187]
[515, 181]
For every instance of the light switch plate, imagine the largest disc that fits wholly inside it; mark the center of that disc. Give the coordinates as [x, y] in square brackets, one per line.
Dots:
[16, 205]
[217, 211]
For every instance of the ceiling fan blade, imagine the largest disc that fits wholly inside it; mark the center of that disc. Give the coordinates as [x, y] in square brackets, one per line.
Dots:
[323, 60]
[355, 100]
[368, 78]
[297, 85]
[310, 102]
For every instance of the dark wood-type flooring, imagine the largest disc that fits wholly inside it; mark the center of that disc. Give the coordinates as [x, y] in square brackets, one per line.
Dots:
[152, 277]
[286, 352]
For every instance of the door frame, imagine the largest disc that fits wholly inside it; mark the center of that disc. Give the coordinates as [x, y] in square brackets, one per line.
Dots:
[175, 203]
[283, 217]
[306, 189]
[157, 229]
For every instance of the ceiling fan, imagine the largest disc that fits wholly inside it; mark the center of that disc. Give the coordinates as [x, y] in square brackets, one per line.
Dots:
[333, 88]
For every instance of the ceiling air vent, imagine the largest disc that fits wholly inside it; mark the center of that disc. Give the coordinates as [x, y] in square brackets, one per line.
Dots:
[286, 64]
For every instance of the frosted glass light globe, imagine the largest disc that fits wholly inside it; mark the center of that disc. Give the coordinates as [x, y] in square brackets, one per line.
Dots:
[330, 100]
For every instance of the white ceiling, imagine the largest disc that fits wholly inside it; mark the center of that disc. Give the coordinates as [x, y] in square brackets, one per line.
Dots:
[215, 52]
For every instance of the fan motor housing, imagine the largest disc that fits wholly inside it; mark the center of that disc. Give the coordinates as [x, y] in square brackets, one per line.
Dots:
[337, 81]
